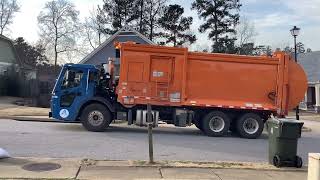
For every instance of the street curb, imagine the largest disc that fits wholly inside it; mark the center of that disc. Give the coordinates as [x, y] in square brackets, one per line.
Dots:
[30, 118]
[41, 119]
[37, 119]
[190, 164]
[82, 164]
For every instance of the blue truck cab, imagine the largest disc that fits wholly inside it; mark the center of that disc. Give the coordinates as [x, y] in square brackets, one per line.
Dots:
[82, 91]
[73, 88]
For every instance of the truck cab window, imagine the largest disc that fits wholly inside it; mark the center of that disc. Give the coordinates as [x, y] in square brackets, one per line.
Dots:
[71, 79]
[117, 53]
[93, 77]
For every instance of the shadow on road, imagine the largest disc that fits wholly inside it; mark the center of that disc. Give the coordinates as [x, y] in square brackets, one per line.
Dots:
[182, 131]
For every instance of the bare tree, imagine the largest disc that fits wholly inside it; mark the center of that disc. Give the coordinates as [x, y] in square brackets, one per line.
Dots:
[245, 35]
[58, 26]
[94, 30]
[7, 10]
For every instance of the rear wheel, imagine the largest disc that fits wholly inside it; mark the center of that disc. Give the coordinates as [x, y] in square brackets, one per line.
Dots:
[250, 125]
[96, 117]
[216, 123]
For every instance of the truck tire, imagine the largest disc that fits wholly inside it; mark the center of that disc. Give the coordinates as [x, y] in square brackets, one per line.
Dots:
[250, 125]
[215, 124]
[95, 117]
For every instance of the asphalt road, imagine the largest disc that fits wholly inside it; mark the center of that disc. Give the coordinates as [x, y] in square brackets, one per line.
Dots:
[120, 142]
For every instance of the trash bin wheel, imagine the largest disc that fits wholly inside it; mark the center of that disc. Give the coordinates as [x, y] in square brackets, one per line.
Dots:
[298, 162]
[277, 161]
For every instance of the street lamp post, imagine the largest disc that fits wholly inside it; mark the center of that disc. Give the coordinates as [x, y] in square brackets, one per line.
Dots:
[295, 32]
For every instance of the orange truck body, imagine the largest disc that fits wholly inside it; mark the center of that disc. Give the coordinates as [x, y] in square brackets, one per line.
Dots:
[169, 76]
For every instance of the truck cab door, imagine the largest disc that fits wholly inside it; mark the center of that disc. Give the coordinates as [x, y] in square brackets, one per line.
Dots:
[70, 93]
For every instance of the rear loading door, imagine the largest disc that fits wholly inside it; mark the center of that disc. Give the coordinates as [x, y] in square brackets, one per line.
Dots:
[161, 76]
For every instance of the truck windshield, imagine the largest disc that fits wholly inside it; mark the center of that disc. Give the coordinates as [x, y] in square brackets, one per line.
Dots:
[71, 79]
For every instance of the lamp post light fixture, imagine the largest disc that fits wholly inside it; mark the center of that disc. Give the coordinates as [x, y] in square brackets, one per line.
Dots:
[295, 32]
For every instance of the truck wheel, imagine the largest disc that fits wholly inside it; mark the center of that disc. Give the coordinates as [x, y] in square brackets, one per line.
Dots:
[216, 124]
[250, 126]
[96, 117]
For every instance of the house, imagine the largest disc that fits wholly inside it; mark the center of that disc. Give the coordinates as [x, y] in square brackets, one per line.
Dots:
[311, 65]
[13, 73]
[8, 55]
[9, 58]
[107, 50]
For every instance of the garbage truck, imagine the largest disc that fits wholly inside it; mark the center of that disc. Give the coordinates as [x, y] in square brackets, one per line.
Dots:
[215, 92]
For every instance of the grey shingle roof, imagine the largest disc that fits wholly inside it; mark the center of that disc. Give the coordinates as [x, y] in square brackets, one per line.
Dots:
[311, 65]
[4, 37]
[125, 30]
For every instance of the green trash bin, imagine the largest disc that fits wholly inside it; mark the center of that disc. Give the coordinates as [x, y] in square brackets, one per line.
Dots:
[283, 142]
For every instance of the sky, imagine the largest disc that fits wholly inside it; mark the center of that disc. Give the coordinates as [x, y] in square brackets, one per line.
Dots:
[272, 19]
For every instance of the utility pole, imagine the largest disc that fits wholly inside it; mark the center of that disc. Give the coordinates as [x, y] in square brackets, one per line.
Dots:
[150, 125]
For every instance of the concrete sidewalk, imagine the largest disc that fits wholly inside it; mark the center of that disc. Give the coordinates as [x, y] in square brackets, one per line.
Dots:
[48, 168]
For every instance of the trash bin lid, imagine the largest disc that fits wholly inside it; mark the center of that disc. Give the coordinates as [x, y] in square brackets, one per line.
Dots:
[290, 120]
[285, 120]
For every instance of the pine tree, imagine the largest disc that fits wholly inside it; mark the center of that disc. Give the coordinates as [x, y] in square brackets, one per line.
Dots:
[221, 17]
[28, 54]
[141, 16]
[176, 26]
[117, 13]
[152, 13]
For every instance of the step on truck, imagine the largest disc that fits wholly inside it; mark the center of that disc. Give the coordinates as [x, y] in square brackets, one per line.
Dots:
[215, 92]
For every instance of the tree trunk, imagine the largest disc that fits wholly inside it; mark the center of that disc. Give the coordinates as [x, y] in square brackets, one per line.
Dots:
[174, 40]
[151, 30]
[55, 50]
[99, 38]
[141, 17]
[55, 58]
[215, 24]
